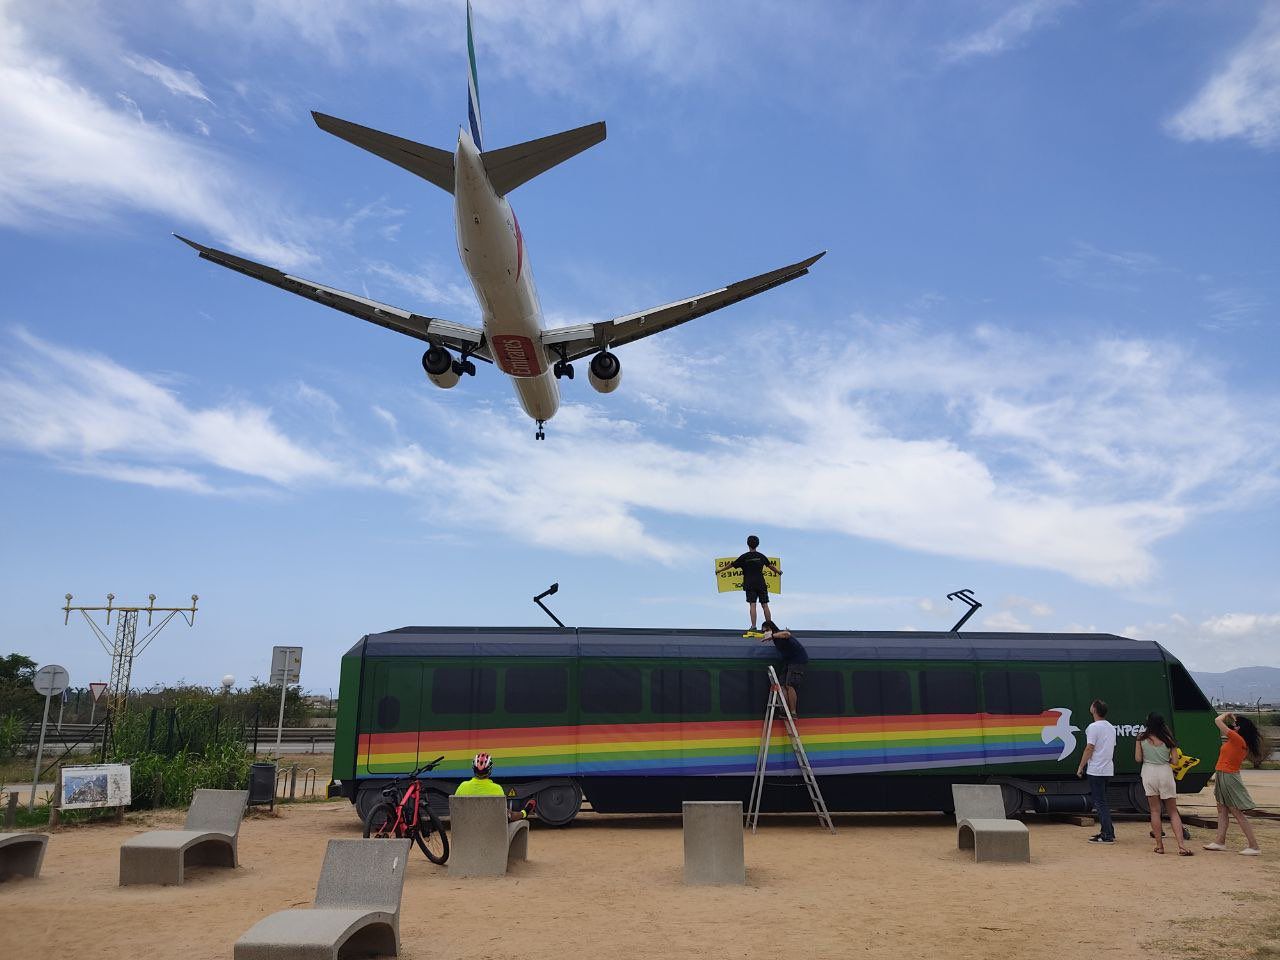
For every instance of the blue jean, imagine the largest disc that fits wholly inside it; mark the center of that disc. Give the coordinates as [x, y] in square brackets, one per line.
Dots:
[1098, 787]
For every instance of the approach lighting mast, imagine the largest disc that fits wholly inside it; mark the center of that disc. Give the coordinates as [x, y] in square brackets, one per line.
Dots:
[126, 644]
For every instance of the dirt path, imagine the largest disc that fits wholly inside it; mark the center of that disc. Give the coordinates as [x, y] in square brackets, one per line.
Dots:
[885, 886]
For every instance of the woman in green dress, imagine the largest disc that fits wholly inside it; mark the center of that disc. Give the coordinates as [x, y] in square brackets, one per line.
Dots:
[1243, 739]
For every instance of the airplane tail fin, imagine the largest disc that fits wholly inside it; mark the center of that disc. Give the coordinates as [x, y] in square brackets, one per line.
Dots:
[473, 88]
[511, 166]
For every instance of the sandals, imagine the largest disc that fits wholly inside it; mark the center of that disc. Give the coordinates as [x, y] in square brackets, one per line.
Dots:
[1184, 852]
[1159, 849]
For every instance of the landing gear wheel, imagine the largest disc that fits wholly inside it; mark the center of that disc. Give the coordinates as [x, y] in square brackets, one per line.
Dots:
[541, 434]
[559, 804]
[461, 367]
[562, 369]
[431, 838]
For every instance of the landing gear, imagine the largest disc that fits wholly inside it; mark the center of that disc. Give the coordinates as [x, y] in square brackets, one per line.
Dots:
[562, 367]
[541, 434]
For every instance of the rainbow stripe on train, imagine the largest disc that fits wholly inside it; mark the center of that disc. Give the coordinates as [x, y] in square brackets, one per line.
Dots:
[722, 747]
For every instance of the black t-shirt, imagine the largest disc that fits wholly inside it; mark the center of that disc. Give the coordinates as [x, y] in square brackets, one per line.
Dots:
[752, 565]
[792, 650]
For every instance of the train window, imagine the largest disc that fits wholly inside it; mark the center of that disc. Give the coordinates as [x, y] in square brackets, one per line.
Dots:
[881, 693]
[1187, 694]
[537, 689]
[821, 693]
[744, 692]
[680, 691]
[948, 691]
[1012, 692]
[464, 690]
[609, 689]
[388, 712]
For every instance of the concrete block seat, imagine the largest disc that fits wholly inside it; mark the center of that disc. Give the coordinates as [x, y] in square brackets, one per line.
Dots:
[208, 839]
[481, 841]
[981, 825]
[713, 843]
[356, 913]
[21, 854]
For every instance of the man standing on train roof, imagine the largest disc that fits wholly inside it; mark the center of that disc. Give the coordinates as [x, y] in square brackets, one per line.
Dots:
[753, 564]
[794, 659]
[481, 785]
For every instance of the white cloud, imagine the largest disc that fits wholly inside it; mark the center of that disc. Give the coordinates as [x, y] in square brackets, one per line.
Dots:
[92, 415]
[1243, 98]
[1035, 608]
[1007, 31]
[1217, 643]
[181, 83]
[66, 154]
[1005, 620]
[1144, 438]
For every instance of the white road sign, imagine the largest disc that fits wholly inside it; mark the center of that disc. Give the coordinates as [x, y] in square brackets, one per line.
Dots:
[286, 665]
[51, 680]
[97, 690]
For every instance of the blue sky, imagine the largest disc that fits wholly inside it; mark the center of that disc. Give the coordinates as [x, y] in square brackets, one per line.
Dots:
[1038, 360]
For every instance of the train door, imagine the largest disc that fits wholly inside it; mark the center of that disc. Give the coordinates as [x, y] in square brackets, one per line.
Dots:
[392, 715]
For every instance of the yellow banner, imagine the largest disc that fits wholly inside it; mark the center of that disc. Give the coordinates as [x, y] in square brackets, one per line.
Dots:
[729, 579]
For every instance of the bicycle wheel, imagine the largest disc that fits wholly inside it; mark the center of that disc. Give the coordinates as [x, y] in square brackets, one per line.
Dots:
[432, 839]
[381, 821]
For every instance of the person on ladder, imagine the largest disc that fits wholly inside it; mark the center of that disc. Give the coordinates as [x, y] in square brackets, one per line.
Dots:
[794, 659]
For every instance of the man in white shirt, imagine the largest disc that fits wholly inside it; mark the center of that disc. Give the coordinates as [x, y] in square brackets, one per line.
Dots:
[1098, 760]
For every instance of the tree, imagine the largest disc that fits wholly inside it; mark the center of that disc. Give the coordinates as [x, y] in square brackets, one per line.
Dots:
[17, 696]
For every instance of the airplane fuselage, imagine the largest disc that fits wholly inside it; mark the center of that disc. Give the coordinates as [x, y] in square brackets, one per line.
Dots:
[492, 250]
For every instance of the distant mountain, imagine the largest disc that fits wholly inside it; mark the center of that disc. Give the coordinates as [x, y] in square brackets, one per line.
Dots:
[1241, 685]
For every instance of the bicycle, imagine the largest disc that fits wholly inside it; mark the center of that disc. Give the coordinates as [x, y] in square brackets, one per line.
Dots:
[402, 814]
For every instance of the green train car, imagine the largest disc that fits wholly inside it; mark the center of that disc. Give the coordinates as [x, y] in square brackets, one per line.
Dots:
[640, 720]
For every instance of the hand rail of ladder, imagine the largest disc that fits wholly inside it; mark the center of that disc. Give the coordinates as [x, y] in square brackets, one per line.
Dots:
[778, 699]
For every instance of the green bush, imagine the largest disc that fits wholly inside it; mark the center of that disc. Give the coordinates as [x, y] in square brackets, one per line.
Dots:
[10, 736]
[194, 742]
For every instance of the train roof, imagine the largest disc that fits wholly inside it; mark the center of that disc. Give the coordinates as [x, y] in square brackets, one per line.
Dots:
[729, 644]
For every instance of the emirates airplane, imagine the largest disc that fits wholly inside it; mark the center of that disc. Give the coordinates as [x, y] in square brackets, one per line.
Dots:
[495, 257]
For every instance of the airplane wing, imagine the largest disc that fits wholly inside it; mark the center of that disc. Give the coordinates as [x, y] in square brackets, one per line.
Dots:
[583, 339]
[428, 329]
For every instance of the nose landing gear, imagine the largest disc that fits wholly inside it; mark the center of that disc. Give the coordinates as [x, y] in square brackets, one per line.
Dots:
[541, 434]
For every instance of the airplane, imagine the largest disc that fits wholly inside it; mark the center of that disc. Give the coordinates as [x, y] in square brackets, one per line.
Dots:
[496, 258]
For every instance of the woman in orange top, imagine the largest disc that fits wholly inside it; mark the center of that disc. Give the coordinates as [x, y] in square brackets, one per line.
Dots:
[1243, 739]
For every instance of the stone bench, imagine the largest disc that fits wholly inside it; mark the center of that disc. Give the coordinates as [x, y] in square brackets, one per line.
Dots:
[713, 845]
[356, 913]
[981, 825]
[481, 841]
[209, 838]
[21, 854]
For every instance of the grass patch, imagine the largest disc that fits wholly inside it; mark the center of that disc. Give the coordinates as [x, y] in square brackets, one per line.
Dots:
[1250, 931]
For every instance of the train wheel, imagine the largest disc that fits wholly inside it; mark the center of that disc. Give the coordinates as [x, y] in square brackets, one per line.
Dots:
[559, 803]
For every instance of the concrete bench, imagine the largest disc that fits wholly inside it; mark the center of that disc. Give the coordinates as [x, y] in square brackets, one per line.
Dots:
[981, 825]
[713, 847]
[481, 841]
[208, 839]
[356, 913]
[21, 854]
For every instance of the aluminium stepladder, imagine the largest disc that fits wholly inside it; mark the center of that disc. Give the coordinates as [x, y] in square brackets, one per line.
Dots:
[778, 699]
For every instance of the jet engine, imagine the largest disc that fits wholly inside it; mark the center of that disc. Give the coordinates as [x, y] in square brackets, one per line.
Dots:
[605, 372]
[438, 363]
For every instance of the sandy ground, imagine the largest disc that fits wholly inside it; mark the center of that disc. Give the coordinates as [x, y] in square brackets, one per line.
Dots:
[885, 886]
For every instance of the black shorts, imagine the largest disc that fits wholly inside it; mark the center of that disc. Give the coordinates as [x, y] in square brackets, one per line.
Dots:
[794, 677]
[758, 594]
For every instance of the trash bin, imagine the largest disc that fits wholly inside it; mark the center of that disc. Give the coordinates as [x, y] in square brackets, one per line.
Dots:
[262, 784]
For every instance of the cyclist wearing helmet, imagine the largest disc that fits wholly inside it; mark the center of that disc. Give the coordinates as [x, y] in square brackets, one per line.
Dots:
[481, 785]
